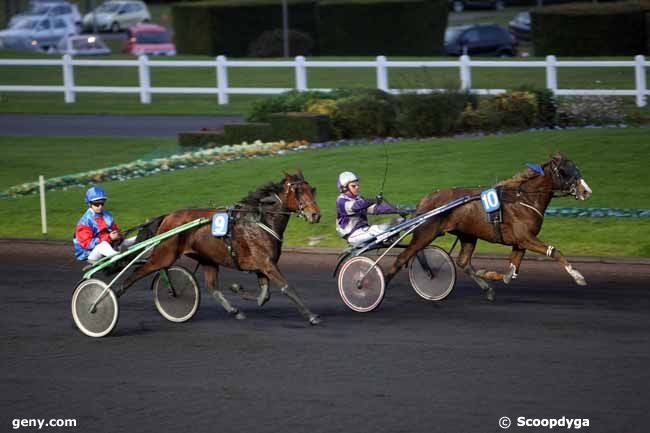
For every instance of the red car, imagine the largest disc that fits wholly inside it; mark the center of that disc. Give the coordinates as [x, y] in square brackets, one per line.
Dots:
[150, 39]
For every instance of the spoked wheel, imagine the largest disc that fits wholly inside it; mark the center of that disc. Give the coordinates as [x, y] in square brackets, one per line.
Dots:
[94, 314]
[432, 273]
[361, 290]
[176, 294]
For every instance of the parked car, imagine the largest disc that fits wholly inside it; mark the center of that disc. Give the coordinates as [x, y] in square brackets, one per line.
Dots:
[461, 5]
[82, 45]
[117, 15]
[150, 39]
[50, 8]
[479, 40]
[38, 34]
[520, 26]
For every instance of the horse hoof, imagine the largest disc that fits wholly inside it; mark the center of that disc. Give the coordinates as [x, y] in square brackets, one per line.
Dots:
[581, 282]
[235, 287]
[240, 316]
[314, 320]
[263, 299]
[490, 295]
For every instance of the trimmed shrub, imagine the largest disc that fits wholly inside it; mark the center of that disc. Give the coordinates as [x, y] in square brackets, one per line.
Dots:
[201, 138]
[312, 127]
[322, 106]
[271, 44]
[586, 29]
[286, 102]
[431, 114]
[363, 115]
[236, 133]
[546, 104]
[388, 27]
[228, 27]
[519, 109]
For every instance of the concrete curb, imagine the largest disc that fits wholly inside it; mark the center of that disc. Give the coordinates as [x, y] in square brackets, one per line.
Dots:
[644, 261]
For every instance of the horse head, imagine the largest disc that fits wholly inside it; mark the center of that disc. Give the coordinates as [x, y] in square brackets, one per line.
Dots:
[300, 197]
[567, 177]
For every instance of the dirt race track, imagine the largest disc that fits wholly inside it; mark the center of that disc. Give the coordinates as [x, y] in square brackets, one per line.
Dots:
[545, 349]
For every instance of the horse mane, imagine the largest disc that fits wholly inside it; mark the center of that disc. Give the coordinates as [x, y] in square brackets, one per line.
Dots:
[520, 178]
[253, 198]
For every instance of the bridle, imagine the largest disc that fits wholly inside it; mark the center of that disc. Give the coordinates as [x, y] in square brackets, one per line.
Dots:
[564, 188]
[292, 186]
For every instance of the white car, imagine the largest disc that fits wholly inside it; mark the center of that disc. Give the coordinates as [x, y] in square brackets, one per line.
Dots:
[82, 45]
[117, 15]
[38, 34]
[53, 9]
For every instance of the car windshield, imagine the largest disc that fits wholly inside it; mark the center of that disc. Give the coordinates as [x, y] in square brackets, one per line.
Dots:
[152, 38]
[109, 7]
[452, 33]
[89, 43]
[27, 24]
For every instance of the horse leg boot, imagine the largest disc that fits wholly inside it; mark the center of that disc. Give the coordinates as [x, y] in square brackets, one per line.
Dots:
[264, 294]
[515, 261]
[274, 274]
[211, 275]
[464, 261]
[540, 247]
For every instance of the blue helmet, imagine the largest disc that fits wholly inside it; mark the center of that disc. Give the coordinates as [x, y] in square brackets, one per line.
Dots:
[95, 193]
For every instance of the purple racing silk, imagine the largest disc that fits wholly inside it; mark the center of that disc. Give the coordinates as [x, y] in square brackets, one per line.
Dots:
[352, 213]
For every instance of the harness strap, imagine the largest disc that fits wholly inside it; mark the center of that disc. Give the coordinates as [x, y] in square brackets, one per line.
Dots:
[269, 230]
[533, 208]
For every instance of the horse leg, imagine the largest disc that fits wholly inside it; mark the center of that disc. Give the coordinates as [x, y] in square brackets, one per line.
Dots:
[421, 238]
[263, 295]
[538, 246]
[516, 256]
[273, 273]
[464, 261]
[211, 275]
[164, 255]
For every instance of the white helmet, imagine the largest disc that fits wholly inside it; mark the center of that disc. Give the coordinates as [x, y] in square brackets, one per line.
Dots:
[345, 178]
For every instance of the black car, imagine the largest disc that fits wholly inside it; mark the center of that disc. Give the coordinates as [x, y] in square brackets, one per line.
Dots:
[480, 40]
[461, 5]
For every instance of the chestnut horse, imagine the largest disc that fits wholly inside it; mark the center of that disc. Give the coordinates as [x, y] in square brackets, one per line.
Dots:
[253, 244]
[524, 199]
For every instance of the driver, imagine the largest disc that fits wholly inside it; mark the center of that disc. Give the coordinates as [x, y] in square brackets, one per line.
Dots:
[352, 211]
[97, 232]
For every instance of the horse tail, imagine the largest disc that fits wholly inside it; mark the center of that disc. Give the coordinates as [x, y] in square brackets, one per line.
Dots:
[149, 229]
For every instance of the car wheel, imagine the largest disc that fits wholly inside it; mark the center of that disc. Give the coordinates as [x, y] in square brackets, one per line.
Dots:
[499, 5]
[458, 6]
[115, 27]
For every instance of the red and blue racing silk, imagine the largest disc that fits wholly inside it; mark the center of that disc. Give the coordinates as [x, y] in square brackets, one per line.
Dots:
[92, 229]
[352, 213]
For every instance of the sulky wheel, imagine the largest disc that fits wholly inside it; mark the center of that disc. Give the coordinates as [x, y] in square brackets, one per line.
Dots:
[99, 320]
[176, 294]
[361, 290]
[432, 273]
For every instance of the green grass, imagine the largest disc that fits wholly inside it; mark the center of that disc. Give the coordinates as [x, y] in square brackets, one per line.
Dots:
[25, 158]
[614, 162]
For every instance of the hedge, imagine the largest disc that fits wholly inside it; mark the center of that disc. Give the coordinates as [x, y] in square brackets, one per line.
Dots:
[229, 27]
[392, 28]
[585, 29]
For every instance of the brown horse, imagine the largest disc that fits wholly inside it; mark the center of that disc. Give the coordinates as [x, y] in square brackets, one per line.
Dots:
[523, 198]
[253, 243]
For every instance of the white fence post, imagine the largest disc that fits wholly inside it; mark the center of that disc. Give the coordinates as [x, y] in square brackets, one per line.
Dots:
[222, 79]
[145, 80]
[551, 73]
[301, 74]
[68, 79]
[382, 74]
[41, 189]
[465, 73]
[639, 79]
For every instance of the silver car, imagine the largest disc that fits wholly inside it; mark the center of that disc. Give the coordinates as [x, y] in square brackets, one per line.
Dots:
[53, 9]
[38, 34]
[83, 45]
